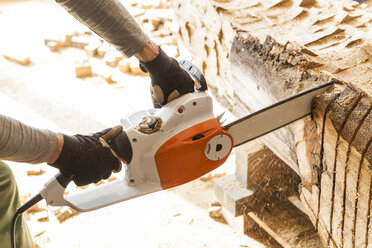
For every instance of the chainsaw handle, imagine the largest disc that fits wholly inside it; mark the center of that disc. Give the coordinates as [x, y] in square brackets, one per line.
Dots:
[196, 74]
[93, 198]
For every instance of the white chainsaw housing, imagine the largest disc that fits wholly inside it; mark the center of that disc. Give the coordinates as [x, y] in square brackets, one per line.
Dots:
[141, 175]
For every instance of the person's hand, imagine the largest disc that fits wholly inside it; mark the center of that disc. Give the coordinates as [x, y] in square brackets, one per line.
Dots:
[88, 159]
[168, 79]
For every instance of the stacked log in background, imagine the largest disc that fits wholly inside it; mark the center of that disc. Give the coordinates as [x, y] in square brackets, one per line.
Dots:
[254, 53]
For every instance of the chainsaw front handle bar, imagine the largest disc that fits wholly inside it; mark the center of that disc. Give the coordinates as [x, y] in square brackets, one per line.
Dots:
[196, 74]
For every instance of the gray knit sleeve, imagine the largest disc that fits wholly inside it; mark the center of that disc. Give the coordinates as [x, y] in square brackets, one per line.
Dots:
[22, 143]
[110, 20]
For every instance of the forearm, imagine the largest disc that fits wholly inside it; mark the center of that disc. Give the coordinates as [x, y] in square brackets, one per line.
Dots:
[22, 143]
[110, 20]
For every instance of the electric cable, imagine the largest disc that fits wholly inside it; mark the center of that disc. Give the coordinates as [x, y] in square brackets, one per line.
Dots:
[19, 211]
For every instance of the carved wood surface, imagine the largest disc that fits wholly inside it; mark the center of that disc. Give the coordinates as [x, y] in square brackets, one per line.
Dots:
[255, 53]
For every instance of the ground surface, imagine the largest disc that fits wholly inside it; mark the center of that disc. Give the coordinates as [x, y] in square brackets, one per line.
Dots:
[46, 94]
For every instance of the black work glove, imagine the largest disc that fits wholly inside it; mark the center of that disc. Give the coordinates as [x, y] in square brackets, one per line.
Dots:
[85, 159]
[168, 79]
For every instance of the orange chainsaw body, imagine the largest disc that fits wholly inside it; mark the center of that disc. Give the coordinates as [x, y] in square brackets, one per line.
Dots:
[182, 158]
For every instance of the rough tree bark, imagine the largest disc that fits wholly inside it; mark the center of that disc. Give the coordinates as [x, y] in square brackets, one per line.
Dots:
[254, 53]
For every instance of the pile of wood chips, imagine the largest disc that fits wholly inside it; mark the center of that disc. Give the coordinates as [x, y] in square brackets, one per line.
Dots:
[156, 19]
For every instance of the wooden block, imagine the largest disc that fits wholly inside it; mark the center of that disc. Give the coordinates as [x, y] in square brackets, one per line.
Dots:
[83, 68]
[238, 223]
[245, 224]
[287, 225]
[232, 195]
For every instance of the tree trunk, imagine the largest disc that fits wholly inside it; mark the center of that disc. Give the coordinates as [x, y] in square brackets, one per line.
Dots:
[255, 53]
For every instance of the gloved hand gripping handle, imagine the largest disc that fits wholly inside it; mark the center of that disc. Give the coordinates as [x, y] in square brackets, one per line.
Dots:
[53, 191]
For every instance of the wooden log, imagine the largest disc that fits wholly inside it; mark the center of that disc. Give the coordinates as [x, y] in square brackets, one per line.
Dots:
[353, 169]
[254, 53]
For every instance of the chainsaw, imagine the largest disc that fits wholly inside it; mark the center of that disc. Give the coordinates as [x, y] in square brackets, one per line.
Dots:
[178, 143]
[173, 145]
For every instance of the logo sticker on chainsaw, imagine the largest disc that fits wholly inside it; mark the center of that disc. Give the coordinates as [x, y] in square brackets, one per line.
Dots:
[218, 147]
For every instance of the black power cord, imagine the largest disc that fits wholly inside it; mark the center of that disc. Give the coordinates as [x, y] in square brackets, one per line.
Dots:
[19, 211]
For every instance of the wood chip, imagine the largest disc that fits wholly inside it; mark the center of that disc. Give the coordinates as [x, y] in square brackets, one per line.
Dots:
[124, 66]
[134, 68]
[99, 183]
[39, 234]
[53, 46]
[82, 187]
[210, 177]
[43, 219]
[18, 58]
[35, 173]
[35, 209]
[92, 48]
[103, 49]
[67, 214]
[24, 198]
[83, 68]
[80, 41]
[111, 179]
[112, 58]
[41, 216]
[216, 214]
